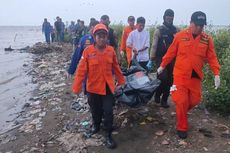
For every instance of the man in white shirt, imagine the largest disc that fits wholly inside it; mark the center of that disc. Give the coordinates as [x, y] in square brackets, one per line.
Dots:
[138, 42]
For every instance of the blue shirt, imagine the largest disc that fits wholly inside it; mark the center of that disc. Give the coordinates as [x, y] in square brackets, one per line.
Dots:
[46, 27]
[83, 43]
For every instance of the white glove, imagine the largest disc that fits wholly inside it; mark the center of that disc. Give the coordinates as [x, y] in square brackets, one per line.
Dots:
[122, 53]
[160, 70]
[120, 86]
[173, 88]
[217, 81]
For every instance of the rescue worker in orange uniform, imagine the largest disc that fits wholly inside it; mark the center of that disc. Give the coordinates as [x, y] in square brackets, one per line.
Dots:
[192, 48]
[125, 34]
[98, 64]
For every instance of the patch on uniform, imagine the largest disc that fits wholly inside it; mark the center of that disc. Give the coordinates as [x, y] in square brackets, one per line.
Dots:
[185, 39]
[93, 55]
[87, 42]
[204, 40]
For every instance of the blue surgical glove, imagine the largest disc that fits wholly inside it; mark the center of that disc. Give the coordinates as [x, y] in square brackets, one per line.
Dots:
[150, 65]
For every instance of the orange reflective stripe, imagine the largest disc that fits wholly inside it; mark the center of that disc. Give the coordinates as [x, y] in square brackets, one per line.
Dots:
[191, 54]
[99, 68]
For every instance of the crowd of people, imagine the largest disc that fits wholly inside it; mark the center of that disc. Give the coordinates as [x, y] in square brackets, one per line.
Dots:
[57, 32]
[179, 57]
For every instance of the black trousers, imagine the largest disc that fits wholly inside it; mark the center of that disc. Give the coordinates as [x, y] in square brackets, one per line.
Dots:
[102, 105]
[163, 89]
[144, 65]
[166, 78]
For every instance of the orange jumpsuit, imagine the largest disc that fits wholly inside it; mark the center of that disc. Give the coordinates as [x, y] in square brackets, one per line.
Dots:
[191, 54]
[123, 47]
[99, 68]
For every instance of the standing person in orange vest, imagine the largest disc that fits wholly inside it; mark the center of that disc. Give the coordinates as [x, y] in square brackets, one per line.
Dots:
[125, 34]
[98, 64]
[192, 48]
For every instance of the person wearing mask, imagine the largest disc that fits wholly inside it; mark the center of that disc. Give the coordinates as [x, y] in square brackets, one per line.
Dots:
[162, 39]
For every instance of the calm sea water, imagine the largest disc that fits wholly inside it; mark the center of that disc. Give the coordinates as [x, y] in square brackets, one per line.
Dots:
[15, 85]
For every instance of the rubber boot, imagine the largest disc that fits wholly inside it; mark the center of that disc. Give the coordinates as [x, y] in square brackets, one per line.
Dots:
[110, 143]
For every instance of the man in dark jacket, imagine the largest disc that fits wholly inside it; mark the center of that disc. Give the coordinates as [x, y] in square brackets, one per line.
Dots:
[46, 29]
[162, 39]
[58, 28]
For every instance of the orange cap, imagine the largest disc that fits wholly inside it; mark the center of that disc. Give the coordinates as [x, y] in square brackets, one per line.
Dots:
[100, 26]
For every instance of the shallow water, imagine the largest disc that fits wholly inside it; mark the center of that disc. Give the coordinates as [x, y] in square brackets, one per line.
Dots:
[15, 85]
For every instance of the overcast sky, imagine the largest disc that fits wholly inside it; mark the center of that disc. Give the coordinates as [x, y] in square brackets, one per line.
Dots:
[32, 12]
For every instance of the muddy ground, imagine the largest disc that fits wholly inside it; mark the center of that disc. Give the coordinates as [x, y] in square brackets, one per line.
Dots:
[55, 121]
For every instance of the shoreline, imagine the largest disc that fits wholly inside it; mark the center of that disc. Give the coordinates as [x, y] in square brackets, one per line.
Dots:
[57, 122]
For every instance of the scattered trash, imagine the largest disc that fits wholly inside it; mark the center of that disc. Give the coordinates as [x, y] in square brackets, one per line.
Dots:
[80, 104]
[165, 142]
[35, 111]
[123, 112]
[223, 127]
[94, 142]
[52, 93]
[159, 133]
[42, 114]
[226, 134]
[205, 149]
[84, 123]
[115, 132]
[183, 143]
[143, 111]
[173, 113]
[59, 85]
[206, 132]
[143, 123]
[72, 141]
[30, 126]
[41, 48]
[75, 141]
[150, 119]
[123, 124]
[76, 106]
